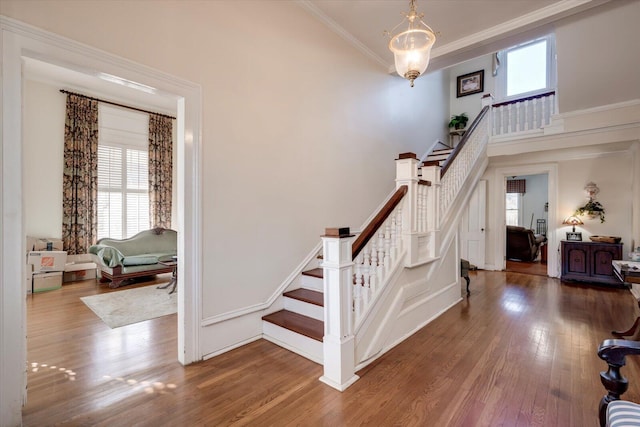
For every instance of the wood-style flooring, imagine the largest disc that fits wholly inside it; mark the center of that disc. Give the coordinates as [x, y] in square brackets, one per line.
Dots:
[520, 351]
[536, 267]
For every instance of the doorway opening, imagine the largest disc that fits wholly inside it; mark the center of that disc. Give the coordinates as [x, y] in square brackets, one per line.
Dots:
[526, 218]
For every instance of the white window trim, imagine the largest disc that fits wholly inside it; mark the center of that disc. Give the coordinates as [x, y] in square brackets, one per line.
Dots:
[501, 79]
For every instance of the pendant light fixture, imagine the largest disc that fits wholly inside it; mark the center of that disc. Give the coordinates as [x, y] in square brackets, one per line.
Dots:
[412, 47]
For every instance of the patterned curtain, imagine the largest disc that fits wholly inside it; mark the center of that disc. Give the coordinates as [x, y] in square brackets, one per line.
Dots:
[80, 175]
[160, 170]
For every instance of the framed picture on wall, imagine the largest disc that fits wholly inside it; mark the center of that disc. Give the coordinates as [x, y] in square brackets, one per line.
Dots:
[471, 83]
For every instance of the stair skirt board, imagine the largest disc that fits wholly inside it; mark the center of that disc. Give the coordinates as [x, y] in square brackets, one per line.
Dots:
[301, 307]
[292, 341]
[313, 283]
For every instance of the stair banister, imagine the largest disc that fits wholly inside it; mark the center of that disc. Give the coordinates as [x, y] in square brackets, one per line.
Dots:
[338, 341]
[463, 141]
[378, 220]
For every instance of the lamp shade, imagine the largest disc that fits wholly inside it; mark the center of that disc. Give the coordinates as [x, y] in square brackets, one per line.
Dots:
[412, 47]
[572, 220]
[412, 51]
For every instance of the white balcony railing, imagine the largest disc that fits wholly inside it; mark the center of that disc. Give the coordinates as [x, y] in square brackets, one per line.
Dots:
[523, 115]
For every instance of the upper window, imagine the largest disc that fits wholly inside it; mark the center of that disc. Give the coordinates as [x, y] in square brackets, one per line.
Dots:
[123, 177]
[527, 69]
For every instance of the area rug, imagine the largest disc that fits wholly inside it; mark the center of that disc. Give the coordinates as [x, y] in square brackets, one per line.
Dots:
[129, 306]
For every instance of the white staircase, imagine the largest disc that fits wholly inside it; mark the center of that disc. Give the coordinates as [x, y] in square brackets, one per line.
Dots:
[299, 327]
[399, 274]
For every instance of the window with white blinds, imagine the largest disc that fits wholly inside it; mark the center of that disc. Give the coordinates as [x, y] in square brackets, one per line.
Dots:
[123, 177]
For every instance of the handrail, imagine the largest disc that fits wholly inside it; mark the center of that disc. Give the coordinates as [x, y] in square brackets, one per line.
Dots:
[528, 98]
[463, 141]
[378, 220]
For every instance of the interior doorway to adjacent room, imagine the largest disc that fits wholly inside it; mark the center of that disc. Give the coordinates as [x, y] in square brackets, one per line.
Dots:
[526, 218]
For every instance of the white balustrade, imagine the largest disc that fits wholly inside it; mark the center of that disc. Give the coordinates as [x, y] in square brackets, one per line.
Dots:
[422, 208]
[523, 115]
[457, 172]
[375, 261]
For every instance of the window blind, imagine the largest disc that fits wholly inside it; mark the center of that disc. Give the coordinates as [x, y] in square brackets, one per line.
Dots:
[123, 178]
[517, 186]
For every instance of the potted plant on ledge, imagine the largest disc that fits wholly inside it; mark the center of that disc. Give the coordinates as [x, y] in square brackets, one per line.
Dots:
[459, 121]
[592, 209]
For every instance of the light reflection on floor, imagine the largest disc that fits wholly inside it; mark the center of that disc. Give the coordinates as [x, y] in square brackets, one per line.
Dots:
[147, 387]
[36, 367]
[514, 301]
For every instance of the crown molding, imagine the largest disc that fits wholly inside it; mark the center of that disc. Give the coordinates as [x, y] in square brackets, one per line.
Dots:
[538, 17]
[346, 35]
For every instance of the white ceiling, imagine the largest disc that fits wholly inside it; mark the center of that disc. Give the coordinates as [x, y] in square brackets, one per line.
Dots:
[462, 27]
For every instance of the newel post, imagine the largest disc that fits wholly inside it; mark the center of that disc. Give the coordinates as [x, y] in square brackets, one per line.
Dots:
[338, 342]
[407, 174]
[487, 101]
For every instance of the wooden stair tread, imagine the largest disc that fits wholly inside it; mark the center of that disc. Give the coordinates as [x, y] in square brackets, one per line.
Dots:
[443, 151]
[316, 272]
[299, 323]
[307, 295]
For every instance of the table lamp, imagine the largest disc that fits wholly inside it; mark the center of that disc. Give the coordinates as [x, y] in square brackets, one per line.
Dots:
[573, 220]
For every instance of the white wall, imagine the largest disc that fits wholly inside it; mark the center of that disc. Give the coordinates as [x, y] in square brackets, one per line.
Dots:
[299, 129]
[598, 58]
[43, 147]
[470, 104]
[534, 199]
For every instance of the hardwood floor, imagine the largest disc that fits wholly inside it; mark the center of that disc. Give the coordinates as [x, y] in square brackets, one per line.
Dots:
[535, 267]
[521, 351]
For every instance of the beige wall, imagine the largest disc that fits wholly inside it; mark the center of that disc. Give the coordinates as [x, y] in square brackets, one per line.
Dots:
[598, 57]
[299, 129]
[44, 111]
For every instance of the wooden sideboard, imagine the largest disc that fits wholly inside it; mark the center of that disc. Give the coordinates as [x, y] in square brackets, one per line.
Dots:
[590, 261]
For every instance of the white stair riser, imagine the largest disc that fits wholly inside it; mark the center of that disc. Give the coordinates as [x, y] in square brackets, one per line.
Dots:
[304, 346]
[304, 308]
[313, 283]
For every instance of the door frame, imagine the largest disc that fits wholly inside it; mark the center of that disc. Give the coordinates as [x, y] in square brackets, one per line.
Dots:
[20, 40]
[499, 189]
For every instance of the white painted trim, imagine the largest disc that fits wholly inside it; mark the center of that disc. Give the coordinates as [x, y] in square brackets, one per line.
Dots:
[600, 109]
[499, 224]
[339, 30]
[231, 347]
[535, 18]
[20, 40]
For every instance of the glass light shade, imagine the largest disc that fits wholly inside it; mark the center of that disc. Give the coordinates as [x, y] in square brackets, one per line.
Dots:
[412, 51]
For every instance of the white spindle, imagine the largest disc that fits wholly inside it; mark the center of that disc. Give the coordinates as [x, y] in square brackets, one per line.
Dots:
[518, 117]
[534, 121]
[526, 115]
[543, 116]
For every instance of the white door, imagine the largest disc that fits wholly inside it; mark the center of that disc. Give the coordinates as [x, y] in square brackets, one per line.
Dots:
[472, 235]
